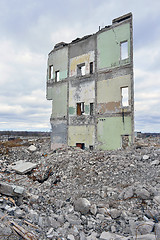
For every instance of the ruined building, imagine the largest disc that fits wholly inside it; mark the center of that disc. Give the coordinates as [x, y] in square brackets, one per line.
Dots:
[90, 83]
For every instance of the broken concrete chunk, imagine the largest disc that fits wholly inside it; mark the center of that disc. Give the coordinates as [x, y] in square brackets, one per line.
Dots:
[23, 167]
[11, 190]
[32, 148]
[82, 205]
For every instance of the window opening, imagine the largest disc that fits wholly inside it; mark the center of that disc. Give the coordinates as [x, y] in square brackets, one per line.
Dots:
[51, 72]
[81, 69]
[80, 145]
[90, 147]
[91, 108]
[125, 141]
[80, 108]
[91, 67]
[124, 50]
[124, 92]
[57, 76]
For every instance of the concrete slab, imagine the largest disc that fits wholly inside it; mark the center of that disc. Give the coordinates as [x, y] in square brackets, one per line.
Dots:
[11, 190]
[23, 167]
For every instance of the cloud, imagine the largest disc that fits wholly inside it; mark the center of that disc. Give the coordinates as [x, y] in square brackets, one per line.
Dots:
[29, 31]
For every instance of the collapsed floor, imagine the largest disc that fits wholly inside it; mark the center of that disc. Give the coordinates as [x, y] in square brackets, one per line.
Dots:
[79, 194]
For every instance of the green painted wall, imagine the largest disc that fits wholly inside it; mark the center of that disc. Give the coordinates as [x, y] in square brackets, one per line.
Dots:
[62, 74]
[59, 103]
[109, 131]
[109, 90]
[108, 44]
[59, 60]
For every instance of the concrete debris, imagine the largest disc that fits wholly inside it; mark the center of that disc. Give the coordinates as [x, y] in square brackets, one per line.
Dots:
[11, 190]
[32, 148]
[23, 167]
[81, 194]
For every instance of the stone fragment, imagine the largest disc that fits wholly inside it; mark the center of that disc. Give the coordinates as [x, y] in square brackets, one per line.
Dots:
[145, 237]
[156, 199]
[11, 190]
[23, 167]
[112, 236]
[73, 219]
[142, 193]
[155, 162]
[145, 228]
[32, 148]
[70, 237]
[128, 193]
[19, 213]
[82, 205]
[93, 209]
[145, 157]
[115, 213]
[157, 230]
[82, 235]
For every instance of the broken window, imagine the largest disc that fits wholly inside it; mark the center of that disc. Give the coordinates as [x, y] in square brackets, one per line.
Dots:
[51, 72]
[124, 96]
[81, 69]
[80, 108]
[91, 67]
[91, 108]
[80, 145]
[57, 76]
[124, 50]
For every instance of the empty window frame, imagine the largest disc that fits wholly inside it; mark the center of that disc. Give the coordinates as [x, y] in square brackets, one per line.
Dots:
[80, 145]
[81, 69]
[56, 76]
[50, 71]
[124, 97]
[124, 50]
[91, 109]
[80, 108]
[91, 67]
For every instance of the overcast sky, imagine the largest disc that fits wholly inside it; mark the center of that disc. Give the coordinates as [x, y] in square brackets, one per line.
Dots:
[29, 29]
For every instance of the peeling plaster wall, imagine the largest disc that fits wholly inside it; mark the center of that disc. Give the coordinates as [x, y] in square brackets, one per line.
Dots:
[59, 134]
[84, 58]
[59, 103]
[110, 130]
[81, 134]
[81, 91]
[103, 123]
[108, 44]
[59, 60]
[109, 94]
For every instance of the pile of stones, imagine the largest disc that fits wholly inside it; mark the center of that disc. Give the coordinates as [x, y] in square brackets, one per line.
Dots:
[79, 194]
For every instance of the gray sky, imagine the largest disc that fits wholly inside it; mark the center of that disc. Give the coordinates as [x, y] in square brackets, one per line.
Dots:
[29, 29]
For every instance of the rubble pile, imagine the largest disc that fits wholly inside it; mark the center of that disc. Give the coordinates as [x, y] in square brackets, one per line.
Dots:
[79, 194]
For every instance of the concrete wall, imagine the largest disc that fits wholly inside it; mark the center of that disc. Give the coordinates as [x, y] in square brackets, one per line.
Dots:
[59, 103]
[110, 125]
[84, 58]
[59, 134]
[81, 91]
[81, 134]
[110, 130]
[59, 60]
[108, 46]
[109, 94]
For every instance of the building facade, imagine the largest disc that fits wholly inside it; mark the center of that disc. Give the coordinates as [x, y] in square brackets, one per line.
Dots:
[90, 83]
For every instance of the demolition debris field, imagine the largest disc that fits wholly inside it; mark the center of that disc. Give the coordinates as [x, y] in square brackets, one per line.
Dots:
[79, 194]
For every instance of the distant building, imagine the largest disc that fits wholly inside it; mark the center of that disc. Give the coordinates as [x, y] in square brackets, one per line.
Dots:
[90, 83]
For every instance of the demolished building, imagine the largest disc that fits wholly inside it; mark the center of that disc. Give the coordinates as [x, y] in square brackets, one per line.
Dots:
[90, 82]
